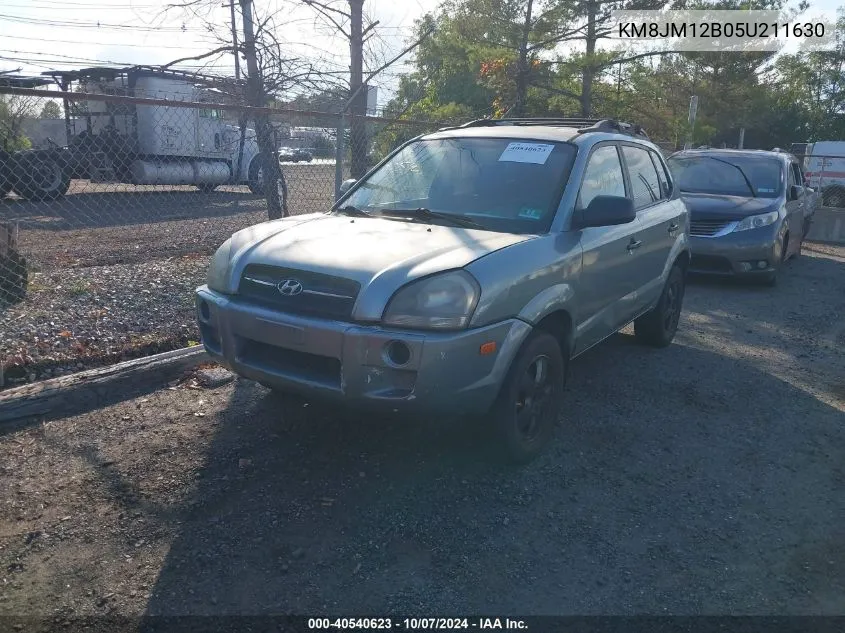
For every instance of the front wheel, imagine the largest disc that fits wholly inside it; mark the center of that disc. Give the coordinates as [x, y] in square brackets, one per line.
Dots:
[658, 326]
[526, 411]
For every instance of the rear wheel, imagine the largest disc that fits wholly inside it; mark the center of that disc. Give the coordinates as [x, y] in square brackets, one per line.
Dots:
[41, 178]
[658, 326]
[255, 180]
[834, 197]
[526, 411]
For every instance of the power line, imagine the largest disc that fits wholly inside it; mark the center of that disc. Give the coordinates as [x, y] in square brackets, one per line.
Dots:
[92, 25]
[119, 44]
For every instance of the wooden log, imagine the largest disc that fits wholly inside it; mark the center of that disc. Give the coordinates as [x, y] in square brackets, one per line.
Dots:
[95, 388]
[8, 239]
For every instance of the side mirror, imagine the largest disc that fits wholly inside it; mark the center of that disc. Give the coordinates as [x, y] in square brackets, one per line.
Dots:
[608, 211]
[346, 184]
[796, 192]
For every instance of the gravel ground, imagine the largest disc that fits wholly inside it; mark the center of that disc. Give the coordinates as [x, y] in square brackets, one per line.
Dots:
[113, 268]
[705, 478]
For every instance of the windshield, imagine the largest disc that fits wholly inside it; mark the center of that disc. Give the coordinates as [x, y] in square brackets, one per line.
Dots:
[727, 175]
[499, 184]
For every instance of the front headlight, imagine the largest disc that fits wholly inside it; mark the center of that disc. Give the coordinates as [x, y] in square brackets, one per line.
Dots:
[757, 221]
[218, 271]
[444, 302]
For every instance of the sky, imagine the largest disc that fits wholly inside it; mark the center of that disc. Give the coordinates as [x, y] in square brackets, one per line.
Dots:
[40, 35]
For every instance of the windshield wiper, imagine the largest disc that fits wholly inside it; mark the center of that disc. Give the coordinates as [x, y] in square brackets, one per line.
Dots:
[427, 214]
[740, 170]
[355, 211]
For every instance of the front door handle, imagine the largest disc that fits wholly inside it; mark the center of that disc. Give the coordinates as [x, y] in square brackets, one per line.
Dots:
[634, 244]
[673, 227]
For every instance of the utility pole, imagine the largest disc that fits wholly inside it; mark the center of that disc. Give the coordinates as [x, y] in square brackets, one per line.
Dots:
[522, 69]
[235, 40]
[271, 181]
[358, 107]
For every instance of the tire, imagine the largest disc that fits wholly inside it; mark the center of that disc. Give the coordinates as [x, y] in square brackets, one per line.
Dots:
[255, 181]
[41, 178]
[834, 197]
[207, 187]
[523, 423]
[14, 278]
[771, 279]
[657, 327]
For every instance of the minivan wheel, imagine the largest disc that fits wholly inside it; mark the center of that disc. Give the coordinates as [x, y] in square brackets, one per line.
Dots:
[526, 411]
[658, 326]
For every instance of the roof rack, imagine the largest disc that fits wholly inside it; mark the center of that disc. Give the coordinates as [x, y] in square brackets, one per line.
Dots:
[617, 127]
[583, 125]
[561, 121]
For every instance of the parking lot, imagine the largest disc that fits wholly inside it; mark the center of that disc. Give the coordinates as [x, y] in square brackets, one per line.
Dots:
[112, 267]
[705, 478]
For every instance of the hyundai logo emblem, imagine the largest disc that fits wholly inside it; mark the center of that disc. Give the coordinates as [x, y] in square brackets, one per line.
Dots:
[289, 287]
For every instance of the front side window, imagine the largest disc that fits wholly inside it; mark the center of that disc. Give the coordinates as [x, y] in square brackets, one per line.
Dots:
[602, 176]
[729, 175]
[505, 185]
[645, 185]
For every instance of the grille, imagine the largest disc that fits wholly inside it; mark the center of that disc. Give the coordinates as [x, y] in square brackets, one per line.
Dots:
[288, 362]
[711, 263]
[322, 295]
[707, 228]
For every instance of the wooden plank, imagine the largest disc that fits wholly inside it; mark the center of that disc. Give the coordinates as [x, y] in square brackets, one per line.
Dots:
[95, 388]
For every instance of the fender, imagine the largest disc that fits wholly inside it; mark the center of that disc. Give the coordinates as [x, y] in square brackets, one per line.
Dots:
[552, 299]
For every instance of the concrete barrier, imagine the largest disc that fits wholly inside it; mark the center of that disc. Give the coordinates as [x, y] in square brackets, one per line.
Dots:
[828, 226]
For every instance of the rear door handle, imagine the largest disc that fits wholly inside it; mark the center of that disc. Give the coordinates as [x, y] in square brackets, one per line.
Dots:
[634, 244]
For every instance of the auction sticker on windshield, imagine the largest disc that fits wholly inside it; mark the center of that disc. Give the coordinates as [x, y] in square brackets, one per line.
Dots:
[536, 153]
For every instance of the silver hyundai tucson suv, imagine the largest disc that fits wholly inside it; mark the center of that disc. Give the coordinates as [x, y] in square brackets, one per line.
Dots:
[460, 276]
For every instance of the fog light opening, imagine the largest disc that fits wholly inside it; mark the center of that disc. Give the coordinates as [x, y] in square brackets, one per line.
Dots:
[398, 353]
[205, 313]
[762, 264]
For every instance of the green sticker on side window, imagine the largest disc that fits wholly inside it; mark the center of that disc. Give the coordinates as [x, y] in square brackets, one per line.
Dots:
[531, 212]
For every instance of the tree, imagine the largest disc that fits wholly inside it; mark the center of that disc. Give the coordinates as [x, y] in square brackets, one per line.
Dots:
[51, 110]
[14, 110]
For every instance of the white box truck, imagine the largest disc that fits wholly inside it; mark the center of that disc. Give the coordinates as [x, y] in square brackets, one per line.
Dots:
[824, 169]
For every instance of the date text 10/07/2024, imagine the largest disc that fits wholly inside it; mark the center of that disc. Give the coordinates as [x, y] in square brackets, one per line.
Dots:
[417, 624]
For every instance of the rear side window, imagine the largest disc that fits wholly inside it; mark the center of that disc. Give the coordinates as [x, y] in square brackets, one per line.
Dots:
[645, 184]
[662, 176]
[796, 174]
[602, 177]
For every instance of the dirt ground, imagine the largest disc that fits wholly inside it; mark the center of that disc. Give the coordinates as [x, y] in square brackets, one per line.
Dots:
[112, 268]
[705, 478]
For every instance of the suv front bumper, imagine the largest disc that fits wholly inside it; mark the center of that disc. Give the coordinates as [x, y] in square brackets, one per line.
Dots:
[445, 372]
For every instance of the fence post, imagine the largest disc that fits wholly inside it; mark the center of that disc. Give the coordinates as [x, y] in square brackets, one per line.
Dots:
[339, 155]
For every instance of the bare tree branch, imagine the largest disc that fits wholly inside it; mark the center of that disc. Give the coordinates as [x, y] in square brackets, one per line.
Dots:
[216, 51]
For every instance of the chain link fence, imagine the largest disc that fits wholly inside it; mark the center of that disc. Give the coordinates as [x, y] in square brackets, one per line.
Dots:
[106, 230]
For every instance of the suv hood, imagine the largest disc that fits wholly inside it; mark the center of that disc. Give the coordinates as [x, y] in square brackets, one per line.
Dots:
[703, 206]
[380, 254]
